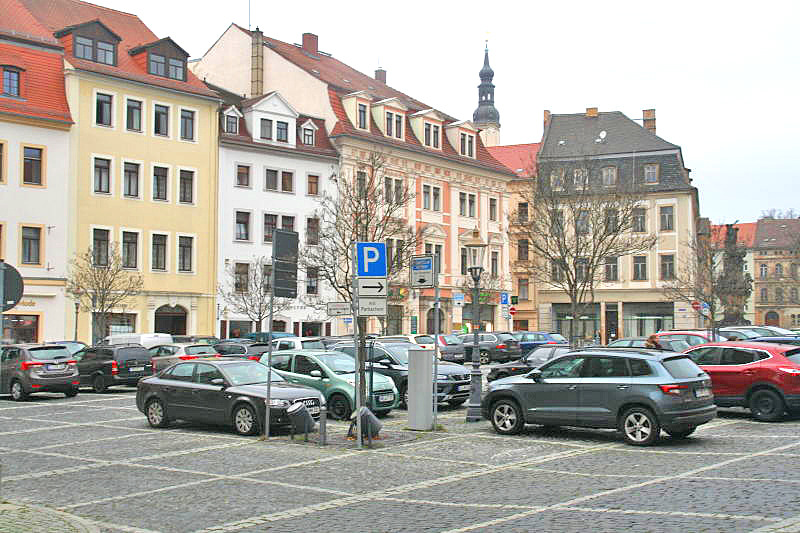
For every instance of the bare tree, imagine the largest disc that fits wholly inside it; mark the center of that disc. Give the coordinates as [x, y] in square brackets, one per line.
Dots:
[246, 288]
[100, 284]
[780, 213]
[578, 223]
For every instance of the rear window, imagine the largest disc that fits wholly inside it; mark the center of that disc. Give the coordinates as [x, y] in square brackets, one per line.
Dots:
[505, 337]
[424, 339]
[195, 350]
[132, 353]
[256, 349]
[793, 355]
[682, 367]
[558, 338]
[49, 353]
[312, 345]
[452, 339]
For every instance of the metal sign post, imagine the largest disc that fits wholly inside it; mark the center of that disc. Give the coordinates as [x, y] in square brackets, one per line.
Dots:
[354, 303]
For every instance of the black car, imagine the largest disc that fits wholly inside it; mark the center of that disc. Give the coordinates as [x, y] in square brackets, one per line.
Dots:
[119, 364]
[229, 392]
[252, 351]
[496, 346]
[534, 358]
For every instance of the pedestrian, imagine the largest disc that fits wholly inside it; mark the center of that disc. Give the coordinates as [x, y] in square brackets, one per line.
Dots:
[652, 343]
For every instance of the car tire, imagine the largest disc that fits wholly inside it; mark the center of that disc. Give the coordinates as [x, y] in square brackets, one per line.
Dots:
[456, 403]
[682, 433]
[339, 407]
[156, 414]
[71, 393]
[485, 359]
[639, 426]
[18, 393]
[766, 405]
[245, 421]
[99, 384]
[506, 417]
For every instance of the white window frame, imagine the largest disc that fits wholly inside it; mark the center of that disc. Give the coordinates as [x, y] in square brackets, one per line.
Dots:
[225, 123]
[111, 181]
[496, 209]
[151, 189]
[196, 132]
[178, 201]
[193, 271]
[236, 165]
[114, 100]
[249, 239]
[139, 247]
[142, 167]
[657, 168]
[167, 265]
[609, 171]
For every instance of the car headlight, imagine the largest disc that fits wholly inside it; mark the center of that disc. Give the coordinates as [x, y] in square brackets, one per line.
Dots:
[442, 376]
[275, 402]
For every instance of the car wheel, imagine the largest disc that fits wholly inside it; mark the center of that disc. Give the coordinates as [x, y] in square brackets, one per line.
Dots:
[506, 417]
[244, 420]
[766, 405]
[18, 393]
[681, 434]
[339, 407]
[156, 414]
[640, 426]
[485, 357]
[71, 393]
[99, 384]
[456, 403]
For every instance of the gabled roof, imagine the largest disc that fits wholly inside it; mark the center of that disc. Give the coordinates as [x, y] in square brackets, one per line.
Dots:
[518, 158]
[778, 233]
[745, 236]
[142, 47]
[577, 135]
[69, 29]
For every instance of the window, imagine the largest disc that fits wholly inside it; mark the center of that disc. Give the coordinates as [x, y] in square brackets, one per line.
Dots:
[581, 268]
[779, 295]
[100, 247]
[428, 134]
[31, 245]
[241, 277]
[464, 261]
[287, 181]
[389, 123]
[611, 269]
[462, 204]
[437, 194]
[471, 205]
[32, 166]
[84, 48]
[467, 144]
[611, 220]
[639, 267]
[130, 249]
[565, 367]
[312, 231]
[160, 183]
[522, 212]
[580, 178]
[605, 367]
[362, 116]
[186, 192]
[522, 288]
[436, 136]
[312, 280]
[266, 278]
[287, 223]
[609, 176]
[651, 173]
[763, 295]
[557, 222]
[762, 271]
[271, 183]
[522, 250]
[161, 123]
[398, 126]
[582, 223]
[667, 217]
[10, 82]
[793, 296]
[185, 245]
[176, 69]
[668, 267]
[779, 270]
[159, 256]
[308, 136]
[242, 226]
[232, 124]
[242, 176]
[495, 264]
[426, 196]
[270, 223]
[187, 125]
[282, 132]
[133, 115]
[556, 180]
[102, 179]
[130, 185]
[158, 65]
[556, 271]
[266, 128]
[639, 223]
[493, 209]
[436, 251]
[105, 53]
[103, 109]
[312, 185]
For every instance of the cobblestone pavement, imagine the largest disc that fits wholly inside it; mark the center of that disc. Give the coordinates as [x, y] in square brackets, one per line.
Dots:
[95, 457]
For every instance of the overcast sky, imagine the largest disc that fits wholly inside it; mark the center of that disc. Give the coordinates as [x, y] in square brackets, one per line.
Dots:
[724, 77]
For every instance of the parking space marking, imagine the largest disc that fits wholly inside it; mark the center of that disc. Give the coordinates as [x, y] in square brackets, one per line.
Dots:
[141, 493]
[120, 527]
[754, 479]
[524, 440]
[76, 402]
[456, 461]
[673, 513]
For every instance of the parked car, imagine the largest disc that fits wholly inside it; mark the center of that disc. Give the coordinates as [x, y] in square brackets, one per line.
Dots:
[72, 346]
[674, 345]
[221, 391]
[103, 366]
[424, 341]
[451, 348]
[690, 337]
[778, 330]
[195, 339]
[391, 360]
[329, 341]
[761, 376]
[239, 340]
[535, 358]
[169, 354]
[148, 340]
[333, 374]
[266, 336]
[528, 340]
[738, 334]
[29, 368]
[794, 340]
[497, 346]
[298, 343]
[639, 392]
[249, 350]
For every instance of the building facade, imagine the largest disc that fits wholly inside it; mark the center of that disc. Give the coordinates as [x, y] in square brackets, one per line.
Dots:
[776, 258]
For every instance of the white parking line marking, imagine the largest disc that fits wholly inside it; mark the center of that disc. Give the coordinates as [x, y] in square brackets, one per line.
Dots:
[67, 404]
[425, 458]
[120, 527]
[674, 513]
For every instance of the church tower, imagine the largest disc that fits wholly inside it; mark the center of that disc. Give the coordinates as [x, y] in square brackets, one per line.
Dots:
[486, 118]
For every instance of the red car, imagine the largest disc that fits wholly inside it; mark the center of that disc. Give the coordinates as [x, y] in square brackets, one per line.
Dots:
[761, 376]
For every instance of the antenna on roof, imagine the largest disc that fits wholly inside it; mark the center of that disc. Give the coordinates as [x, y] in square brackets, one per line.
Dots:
[248, 14]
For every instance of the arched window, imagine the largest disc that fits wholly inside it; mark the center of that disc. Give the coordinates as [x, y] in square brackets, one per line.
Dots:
[762, 271]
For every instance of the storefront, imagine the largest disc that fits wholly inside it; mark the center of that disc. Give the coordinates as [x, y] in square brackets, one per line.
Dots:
[20, 328]
[639, 319]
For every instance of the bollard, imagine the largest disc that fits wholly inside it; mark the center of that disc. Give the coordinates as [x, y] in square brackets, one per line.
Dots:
[323, 425]
[301, 419]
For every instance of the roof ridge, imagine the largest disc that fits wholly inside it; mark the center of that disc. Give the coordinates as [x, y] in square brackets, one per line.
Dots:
[105, 7]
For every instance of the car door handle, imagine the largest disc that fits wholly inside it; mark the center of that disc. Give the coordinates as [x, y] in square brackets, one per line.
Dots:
[572, 387]
[622, 387]
[748, 372]
[168, 389]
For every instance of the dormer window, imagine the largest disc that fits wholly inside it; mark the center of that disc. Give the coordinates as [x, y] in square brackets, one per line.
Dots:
[232, 124]
[10, 81]
[266, 128]
[467, 145]
[84, 48]
[308, 136]
[362, 116]
[176, 69]
[158, 65]
[432, 135]
[105, 53]
[95, 50]
[282, 132]
[394, 125]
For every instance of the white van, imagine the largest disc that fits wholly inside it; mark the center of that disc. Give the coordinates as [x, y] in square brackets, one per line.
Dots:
[148, 340]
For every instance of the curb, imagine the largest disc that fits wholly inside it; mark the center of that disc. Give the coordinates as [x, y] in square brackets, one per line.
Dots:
[790, 525]
[56, 518]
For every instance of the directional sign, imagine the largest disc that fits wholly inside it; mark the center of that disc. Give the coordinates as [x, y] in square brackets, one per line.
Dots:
[371, 258]
[372, 287]
[504, 298]
[339, 308]
[371, 306]
[458, 298]
[422, 272]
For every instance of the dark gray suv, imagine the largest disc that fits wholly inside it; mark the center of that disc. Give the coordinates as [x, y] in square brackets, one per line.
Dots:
[639, 392]
[27, 368]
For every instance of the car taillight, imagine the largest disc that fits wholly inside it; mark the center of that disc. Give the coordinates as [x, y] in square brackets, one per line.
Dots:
[792, 371]
[25, 365]
[551, 342]
[675, 390]
[187, 357]
[254, 357]
[114, 369]
[501, 346]
[72, 362]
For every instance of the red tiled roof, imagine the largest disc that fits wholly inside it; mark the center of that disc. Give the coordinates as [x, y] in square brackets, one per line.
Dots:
[55, 15]
[519, 158]
[745, 237]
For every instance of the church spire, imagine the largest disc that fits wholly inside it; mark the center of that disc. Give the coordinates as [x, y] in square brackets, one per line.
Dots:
[486, 117]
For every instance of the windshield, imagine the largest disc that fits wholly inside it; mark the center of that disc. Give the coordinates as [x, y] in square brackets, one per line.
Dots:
[558, 338]
[764, 332]
[682, 368]
[424, 339]
[72, 346]
[196, 350]
[451, 339]
[258, 349]
[399, 351]
[132, 353]
[793, 356]
[53, 352]
[739, 334]
[249, 373]
[312, 345]
[339, 363]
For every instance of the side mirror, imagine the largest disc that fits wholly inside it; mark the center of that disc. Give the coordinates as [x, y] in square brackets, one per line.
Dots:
[315, 374]
[535, 374]
[219, 382]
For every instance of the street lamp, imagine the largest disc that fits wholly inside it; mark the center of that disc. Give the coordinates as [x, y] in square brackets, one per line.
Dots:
[475, 249]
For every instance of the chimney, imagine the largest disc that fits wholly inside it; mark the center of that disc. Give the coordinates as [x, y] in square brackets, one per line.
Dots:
[310, 43]
[257, 63]
[649, 120]
[546, 117]
[380, 74]
[591, 112]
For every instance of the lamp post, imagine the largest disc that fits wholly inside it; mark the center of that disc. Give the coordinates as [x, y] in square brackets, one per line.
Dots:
[475, 249]
[77, 308]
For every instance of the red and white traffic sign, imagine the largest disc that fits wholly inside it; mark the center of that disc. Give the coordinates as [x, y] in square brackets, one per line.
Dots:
[696, 305]
[512, 311]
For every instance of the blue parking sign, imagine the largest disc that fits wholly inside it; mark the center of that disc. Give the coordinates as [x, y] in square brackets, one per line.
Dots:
[503, 298]
[371, 259]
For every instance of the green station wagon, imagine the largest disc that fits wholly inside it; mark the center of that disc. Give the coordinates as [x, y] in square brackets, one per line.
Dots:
[333, 374]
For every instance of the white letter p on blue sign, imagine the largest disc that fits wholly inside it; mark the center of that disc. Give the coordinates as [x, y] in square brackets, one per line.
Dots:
[371, 258]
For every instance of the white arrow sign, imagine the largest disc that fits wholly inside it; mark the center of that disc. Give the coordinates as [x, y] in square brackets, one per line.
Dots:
[376, 287]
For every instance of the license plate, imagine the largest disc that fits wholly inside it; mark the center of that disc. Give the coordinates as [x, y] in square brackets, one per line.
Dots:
[56, 367]
[136, 369]
[386, 398]
[314, 409]
[464, 387]
[702, 393]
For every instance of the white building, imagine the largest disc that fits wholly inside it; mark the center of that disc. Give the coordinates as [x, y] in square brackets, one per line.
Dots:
[275, 164]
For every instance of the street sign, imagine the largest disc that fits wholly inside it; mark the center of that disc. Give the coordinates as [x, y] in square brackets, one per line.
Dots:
[512, 311]
[339, 308]
[422, 272]
[371, 306]
[12, 287]
[376, 287]
[371, 258]
[503, 298]
[507, 315]
[696, 305]
[458, 298]
[514, 300]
